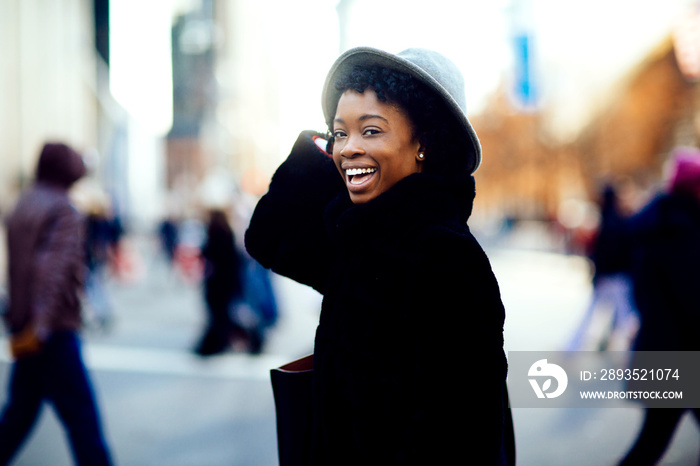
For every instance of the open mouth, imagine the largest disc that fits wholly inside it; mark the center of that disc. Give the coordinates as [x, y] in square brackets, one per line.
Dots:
[358, 176]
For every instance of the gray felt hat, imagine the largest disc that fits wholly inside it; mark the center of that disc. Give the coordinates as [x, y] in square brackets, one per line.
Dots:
[428, 66]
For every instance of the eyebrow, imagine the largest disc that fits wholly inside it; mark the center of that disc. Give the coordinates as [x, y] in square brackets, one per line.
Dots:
[363, 118]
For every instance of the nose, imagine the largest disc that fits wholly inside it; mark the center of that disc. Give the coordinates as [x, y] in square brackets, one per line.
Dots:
[352, 147]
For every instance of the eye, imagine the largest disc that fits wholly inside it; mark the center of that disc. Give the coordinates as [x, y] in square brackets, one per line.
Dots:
[338, 134]
[371, 131]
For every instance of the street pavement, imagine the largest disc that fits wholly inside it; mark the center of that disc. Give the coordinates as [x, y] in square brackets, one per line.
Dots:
[162, 405]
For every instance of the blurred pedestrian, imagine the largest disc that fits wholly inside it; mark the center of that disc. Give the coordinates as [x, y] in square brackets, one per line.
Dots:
[116, 229]
[222, 285]
[191, 235]
[612, 288]
[666, 276]
[380, 229]
[98, 253]
[125, 260]
[256, 311]
[168, 236]
[46, 265]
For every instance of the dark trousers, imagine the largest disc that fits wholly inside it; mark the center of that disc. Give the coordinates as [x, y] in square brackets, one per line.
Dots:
[655, 436]
[57, 375]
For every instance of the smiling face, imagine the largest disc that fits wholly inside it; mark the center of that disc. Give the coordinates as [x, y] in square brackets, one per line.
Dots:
[374, 145]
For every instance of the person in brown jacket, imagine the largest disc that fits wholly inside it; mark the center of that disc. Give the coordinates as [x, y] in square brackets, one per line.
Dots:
[45, 239]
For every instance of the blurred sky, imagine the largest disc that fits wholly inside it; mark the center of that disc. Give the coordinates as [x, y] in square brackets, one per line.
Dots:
[580, 48]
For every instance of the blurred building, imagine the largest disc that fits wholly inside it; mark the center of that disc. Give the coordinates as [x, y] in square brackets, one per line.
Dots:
[48, 83]
[194, 99]
[241, 77]
[245, 82]
[530, 174]
[54, 85]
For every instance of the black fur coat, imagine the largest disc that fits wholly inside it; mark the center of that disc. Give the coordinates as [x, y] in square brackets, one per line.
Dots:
[409, 366]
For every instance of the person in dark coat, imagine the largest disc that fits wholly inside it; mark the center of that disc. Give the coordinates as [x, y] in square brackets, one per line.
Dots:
[222, 284]
[610, 256]
[666, 275]
[98, 253]
[168, 236]
[45, 239]
[377, 223]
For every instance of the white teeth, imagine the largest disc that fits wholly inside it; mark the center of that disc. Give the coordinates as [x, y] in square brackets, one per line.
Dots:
[359, 171]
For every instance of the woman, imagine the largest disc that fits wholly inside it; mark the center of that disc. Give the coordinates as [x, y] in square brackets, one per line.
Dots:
[409, 295]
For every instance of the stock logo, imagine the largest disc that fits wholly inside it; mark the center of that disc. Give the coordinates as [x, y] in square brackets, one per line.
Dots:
[541, 370]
